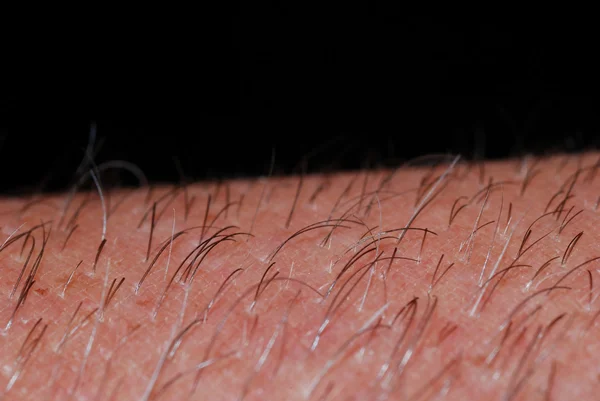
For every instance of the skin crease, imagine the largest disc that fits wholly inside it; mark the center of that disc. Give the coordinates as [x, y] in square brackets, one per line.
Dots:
[454, 341]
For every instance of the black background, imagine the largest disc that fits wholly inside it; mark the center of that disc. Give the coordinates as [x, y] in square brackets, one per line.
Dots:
[340, 94]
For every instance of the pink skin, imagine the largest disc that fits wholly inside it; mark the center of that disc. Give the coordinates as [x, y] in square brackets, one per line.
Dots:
[267, 349]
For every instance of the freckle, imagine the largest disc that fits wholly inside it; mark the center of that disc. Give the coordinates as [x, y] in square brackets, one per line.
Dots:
[130, 326]
[144, 302]
[41, 291]
[60, 279]
[479, 360]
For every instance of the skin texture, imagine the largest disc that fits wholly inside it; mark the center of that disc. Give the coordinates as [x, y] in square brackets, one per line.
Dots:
[441, 279]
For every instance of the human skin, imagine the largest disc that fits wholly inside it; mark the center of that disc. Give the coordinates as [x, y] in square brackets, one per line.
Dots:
[439, 280]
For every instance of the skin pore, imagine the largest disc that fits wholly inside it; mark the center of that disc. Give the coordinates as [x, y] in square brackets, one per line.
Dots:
[442, 279]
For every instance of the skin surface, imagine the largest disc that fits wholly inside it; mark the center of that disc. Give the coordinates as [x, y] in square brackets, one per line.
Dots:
[429, 281]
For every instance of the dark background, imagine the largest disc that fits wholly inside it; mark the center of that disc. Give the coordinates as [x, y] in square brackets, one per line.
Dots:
[344, 95]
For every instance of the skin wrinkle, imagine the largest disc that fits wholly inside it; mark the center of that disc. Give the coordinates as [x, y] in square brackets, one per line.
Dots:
[243, 284]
